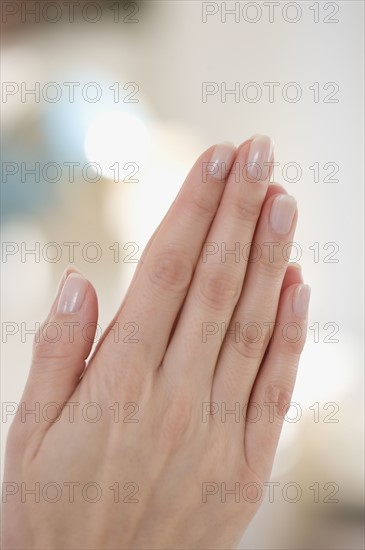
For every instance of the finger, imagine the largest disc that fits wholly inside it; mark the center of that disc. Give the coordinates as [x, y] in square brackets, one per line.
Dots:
[132, 283]
[293, 275]
[164, 276]
[272, 391]
[60, 349]
[219, 275]
[253, 320]
[273, 188]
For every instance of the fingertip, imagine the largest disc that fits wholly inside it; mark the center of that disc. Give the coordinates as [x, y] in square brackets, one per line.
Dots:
[300, 301]
[275, 189]
[72, 294]
[293, 275]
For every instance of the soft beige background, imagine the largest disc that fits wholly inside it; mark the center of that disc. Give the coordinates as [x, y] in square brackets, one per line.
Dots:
[169, 53]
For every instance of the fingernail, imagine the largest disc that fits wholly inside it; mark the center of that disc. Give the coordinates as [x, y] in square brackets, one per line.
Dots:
[260, 152]
[282, 214]
[72, 294]
[221, 160]
[301, 300]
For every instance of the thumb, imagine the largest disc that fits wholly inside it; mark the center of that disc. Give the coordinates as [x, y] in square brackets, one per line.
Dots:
[61, 348]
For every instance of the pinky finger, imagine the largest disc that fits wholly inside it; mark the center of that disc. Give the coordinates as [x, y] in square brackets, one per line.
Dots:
[274, 384]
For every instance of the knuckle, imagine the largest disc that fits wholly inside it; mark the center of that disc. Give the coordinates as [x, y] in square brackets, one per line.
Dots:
[47, 351]
[247, 349]
[171, 272]
[219, 290]
[54, 341]
[278, 396]
[244, 210]
[290, 339]
[124, 383]
[202, 206]
[177, 420]
[271, 264]
[117, 371]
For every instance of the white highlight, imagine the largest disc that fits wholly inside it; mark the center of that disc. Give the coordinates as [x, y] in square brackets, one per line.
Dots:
[117, 137]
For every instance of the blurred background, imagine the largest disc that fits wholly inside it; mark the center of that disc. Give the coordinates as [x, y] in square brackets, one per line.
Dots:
[105, 106]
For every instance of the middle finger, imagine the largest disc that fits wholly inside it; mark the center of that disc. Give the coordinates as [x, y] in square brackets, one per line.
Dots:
[219, 275]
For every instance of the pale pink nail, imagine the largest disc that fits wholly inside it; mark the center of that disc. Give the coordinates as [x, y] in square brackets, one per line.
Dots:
[259, 156]
[282, 214]
[72, 294]
[221, 161]
[301, 300]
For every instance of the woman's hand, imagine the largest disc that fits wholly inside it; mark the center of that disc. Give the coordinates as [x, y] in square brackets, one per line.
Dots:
[166, 438]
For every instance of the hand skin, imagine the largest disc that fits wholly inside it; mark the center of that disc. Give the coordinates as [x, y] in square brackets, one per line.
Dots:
[170, 452]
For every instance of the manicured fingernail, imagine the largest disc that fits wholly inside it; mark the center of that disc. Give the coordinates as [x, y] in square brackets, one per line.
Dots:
[72, 294]
[221, 160]
[282, 214]
[301, 300]
[260, 152]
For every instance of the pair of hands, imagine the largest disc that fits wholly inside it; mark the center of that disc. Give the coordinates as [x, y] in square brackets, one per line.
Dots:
[166, 438]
